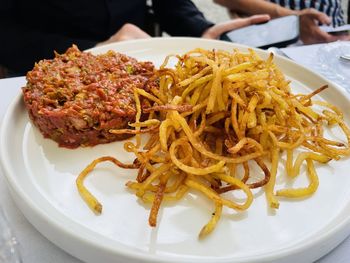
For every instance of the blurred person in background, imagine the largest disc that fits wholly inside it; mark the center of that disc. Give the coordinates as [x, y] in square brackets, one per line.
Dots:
[32, 30]
[312, 14]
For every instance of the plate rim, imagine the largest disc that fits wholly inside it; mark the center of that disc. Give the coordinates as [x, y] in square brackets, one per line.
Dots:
[15, 189]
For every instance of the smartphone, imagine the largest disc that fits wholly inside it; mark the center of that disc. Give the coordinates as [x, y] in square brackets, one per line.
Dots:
[336, 31]
[278, 32]
[340, 33]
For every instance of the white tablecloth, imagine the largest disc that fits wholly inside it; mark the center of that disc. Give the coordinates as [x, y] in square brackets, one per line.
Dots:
[34, 247]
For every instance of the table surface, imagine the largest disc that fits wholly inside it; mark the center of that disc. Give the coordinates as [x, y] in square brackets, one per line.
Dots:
[34, 247]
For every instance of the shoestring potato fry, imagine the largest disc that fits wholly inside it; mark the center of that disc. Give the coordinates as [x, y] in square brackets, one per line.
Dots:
[214, 115]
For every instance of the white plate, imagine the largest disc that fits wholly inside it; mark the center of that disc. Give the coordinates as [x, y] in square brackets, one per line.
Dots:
[42, 176]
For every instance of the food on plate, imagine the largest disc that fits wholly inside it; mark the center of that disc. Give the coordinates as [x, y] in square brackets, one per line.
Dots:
[77, 97]
[220, 124]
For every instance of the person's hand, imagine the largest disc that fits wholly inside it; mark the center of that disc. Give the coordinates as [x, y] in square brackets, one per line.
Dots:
[215, 31]
[126, 32]
[310, 32]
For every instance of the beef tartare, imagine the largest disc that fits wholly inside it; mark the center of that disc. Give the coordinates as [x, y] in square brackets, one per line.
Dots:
[77, 97]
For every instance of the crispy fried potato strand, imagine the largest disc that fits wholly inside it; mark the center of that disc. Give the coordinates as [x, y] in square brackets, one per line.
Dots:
[306, 191]
[210, 226]
[212, 116]
[89, 198]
